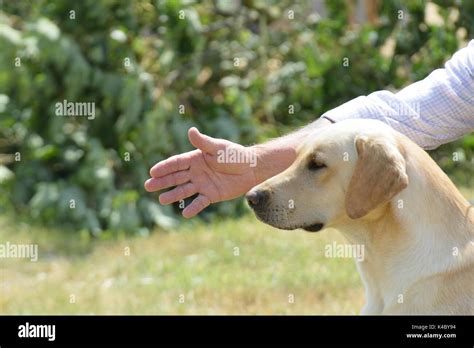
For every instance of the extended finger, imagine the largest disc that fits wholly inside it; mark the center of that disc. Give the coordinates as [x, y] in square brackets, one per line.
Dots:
[173, 179]
[173, 164]
[178, 193]
[200, 203]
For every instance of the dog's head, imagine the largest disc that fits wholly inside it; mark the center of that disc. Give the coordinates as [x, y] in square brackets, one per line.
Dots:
[347, 169]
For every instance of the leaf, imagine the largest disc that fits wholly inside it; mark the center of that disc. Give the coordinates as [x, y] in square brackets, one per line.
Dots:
[5, 174]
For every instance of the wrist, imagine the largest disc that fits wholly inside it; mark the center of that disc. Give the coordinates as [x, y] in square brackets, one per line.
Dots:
[272, 158]
[277, 155]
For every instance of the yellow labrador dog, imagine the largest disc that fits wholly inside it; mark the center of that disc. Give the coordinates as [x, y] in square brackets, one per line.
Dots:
[382, 191]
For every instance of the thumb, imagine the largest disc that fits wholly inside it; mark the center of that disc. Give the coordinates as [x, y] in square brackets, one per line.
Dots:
[203, 142]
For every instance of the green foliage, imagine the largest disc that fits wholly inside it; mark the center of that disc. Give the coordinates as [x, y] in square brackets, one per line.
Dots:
[140, 61]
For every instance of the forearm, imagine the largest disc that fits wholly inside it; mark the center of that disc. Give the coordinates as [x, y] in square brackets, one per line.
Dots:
[431, 112]
[276, 155]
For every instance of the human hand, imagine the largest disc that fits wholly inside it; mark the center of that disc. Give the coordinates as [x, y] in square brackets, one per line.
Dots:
[206, 171]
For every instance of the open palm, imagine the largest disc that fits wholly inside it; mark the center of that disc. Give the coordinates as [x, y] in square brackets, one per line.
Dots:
[201, 171]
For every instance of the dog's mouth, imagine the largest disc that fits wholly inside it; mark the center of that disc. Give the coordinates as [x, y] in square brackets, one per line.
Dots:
[281, 222]
[313, 227]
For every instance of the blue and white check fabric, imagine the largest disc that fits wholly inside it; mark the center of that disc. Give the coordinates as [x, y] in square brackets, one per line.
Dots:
[430, 112]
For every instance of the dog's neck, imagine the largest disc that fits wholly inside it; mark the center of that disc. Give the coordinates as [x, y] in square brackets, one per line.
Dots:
[407, 240]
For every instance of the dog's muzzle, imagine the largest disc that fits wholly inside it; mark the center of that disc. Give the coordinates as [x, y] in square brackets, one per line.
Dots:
[277, 216]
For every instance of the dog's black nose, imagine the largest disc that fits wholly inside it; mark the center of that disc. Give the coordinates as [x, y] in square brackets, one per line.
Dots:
[257, 199]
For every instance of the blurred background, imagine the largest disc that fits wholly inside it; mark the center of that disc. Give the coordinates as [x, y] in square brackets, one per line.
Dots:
[243, 70]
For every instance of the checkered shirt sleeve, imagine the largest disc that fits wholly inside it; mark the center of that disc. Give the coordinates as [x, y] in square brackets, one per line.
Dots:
[431, 112]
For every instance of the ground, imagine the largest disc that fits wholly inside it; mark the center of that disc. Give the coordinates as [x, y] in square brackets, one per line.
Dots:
[271, 272]
[226, 267]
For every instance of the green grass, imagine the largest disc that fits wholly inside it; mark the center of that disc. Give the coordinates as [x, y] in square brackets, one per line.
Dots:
[196, 261]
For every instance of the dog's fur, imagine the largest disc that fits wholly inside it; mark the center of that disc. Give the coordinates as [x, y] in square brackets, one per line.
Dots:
[381, 190]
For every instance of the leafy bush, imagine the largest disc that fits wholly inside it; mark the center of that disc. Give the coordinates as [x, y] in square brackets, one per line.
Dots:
[155, 68]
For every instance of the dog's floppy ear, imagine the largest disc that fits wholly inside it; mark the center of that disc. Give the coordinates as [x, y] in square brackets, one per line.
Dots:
[379, 174]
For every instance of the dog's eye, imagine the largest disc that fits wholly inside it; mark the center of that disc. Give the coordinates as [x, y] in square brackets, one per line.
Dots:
[314, 165]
